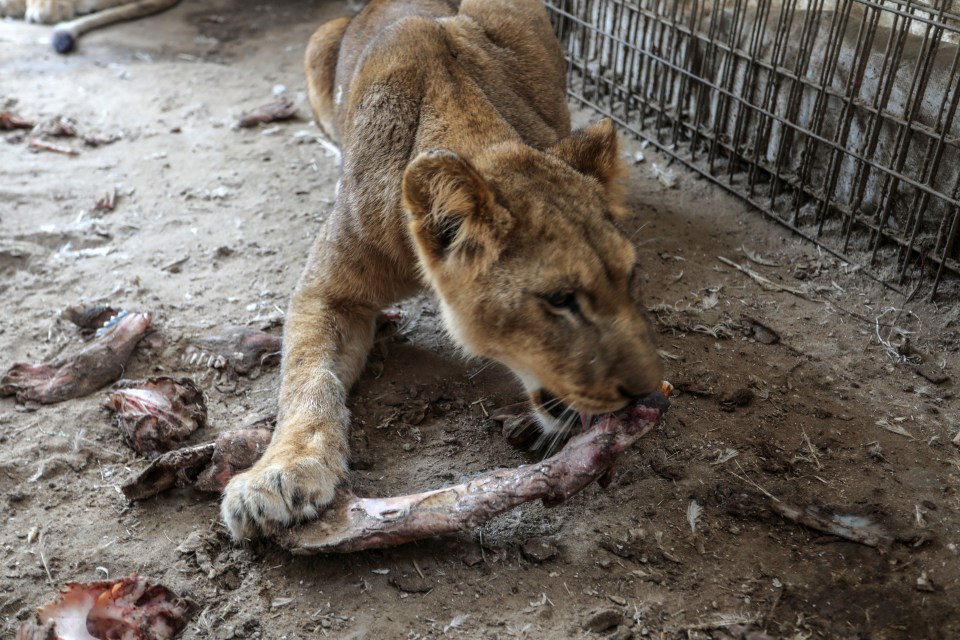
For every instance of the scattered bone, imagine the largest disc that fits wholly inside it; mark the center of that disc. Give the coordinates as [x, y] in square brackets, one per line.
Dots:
[352, 523]
[757, 258]
[233, 452]
[207, 467]
[9, 121]
[756, 330]
[41, 145]
[237, 349]
[894, 427]
[97, 364]
[90, 318]
[694, 511]
[57, 127]
[134, 608]
[108, 202]
[667, 177]
[100, 139]
[179, 468]
[765, 283]
[176, 266]
[280, 109]
[855, 528]
[157, 414]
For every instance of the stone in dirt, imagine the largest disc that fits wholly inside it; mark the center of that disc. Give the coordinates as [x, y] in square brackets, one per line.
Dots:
[538, 550]
[411, 583]
[602, 620]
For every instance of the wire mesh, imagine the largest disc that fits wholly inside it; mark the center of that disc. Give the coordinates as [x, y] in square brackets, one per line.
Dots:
[837, 118]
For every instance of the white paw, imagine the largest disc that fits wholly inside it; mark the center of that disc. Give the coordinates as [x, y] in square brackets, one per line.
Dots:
[13, 8]
[272, 496]
[49, 11]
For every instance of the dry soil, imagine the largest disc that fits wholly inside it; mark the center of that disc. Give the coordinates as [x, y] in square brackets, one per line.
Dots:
[210, 228]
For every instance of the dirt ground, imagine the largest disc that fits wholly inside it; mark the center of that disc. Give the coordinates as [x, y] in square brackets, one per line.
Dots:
[210, 228]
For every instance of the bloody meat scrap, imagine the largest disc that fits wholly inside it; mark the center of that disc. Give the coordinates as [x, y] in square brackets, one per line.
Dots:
[236, 349]
[9, 121]
[279, 109]
[157, 414]
[97, 364]
[207, 467]
[133, 608]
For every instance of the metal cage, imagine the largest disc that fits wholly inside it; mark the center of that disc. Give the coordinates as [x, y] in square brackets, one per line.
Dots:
[837, 118]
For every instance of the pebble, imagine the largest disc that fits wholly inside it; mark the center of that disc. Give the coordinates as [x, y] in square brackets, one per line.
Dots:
[538, 550]
[472, 556]
[411, 583]
[602, 620]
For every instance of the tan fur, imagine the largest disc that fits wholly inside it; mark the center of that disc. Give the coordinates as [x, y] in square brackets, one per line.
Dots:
[459, 173]
[51, 11]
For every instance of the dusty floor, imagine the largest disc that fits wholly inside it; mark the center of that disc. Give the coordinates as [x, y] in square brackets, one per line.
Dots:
[210, 227]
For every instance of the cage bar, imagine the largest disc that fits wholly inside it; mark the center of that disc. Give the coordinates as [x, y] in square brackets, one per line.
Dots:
[836, 118]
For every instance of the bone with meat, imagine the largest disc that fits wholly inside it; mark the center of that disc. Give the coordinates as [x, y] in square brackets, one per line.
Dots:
[132, 608]
[157, 414]
[353, 523]
[96, 365]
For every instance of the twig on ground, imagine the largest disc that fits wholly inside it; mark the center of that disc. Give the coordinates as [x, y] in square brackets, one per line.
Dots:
[764, 282]
[813, 451]
[42, 145]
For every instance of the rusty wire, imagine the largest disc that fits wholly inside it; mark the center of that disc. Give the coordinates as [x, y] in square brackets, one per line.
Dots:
[837, 118]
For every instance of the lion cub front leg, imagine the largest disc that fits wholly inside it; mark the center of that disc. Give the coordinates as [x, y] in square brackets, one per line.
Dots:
[325, 345]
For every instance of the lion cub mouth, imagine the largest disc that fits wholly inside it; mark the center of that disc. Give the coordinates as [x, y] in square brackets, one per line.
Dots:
[564, 414]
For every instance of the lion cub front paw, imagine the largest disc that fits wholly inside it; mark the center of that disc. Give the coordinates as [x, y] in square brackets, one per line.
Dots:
[49, 11]
[276, 494]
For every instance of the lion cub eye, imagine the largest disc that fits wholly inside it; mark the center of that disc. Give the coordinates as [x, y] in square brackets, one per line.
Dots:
[563, 301]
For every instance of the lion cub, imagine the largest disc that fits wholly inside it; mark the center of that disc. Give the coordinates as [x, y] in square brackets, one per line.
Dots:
[459, 173]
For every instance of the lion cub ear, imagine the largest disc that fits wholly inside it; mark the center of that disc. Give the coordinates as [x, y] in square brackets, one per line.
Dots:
[595, 152]
[453, 211]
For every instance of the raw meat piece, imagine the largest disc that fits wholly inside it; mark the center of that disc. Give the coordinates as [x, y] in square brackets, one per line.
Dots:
[97, 364]
[279, 109]
[157, 414]
[207, 466]
[237, 349]
[134, 608]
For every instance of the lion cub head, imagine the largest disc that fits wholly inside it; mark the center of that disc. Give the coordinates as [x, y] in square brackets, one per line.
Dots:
[532, 270]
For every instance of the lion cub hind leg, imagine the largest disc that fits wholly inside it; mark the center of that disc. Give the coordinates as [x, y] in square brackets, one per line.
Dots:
[321, 66]
[325, 347]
